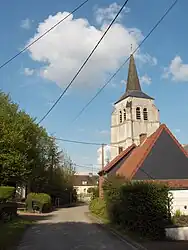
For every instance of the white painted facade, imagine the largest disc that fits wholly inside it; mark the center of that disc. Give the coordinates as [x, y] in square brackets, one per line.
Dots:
[180, 201]
[127, 131]
[83, 189]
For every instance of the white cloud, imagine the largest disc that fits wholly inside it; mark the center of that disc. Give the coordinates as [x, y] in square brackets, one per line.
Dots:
[26, 23]
[105, 15]
[28, 71]
[146, 58]
[145, 79]
[106, 154]
[65, 48]
[177, 71]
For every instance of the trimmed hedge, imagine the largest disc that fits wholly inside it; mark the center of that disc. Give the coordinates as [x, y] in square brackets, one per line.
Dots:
[141, 207]
[8, 210]
[6, 193]
[39, 201]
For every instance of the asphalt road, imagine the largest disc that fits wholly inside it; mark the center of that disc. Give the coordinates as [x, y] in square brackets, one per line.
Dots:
[70, 229]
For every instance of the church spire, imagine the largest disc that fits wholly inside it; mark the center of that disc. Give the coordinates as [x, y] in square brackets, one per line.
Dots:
[132, 80]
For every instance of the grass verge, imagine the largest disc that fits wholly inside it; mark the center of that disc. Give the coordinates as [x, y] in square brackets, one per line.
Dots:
[11, 232]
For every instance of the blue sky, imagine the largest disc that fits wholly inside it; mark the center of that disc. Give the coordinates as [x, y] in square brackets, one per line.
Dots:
[36, 78]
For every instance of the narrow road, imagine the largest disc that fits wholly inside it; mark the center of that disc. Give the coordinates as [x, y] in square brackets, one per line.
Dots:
[70, 229]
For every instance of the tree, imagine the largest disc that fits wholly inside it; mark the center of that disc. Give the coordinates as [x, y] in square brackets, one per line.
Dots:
[29, 156]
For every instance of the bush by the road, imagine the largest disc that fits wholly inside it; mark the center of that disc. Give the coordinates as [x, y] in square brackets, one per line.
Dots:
[39, 201]
[8, 211]
[6, 193]
[138, 206]
[98, 206]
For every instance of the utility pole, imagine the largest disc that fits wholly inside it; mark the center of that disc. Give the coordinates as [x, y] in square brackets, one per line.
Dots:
[102, 156]
[101, 177]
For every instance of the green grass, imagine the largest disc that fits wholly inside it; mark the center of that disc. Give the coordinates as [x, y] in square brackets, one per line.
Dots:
[11, 232]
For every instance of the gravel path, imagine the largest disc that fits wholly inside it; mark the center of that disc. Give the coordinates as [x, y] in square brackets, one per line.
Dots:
[70, 229]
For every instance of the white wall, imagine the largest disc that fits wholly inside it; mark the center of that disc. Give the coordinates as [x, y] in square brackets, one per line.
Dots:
[83, 189]
[180, 201]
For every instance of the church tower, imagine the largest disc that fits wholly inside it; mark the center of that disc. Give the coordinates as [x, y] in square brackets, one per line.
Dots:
[134, 114]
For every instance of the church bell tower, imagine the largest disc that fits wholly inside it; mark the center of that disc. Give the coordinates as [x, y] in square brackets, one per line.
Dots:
[134, 114]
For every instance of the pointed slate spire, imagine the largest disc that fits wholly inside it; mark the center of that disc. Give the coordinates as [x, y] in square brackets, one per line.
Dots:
[132, 80]
[133, 87]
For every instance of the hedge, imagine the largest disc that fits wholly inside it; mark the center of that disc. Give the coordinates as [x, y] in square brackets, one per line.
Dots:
[38, 201]
[8, 210]
[138, 206]
[6, 193]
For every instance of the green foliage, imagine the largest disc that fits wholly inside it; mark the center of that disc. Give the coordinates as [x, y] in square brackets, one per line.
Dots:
[29, 156]
[6, 193]
[145, 208]
[180, 221]
[178, 213]
[139, 206]
[95, 193]
[8, 210]
[40, 200]
[98, 207]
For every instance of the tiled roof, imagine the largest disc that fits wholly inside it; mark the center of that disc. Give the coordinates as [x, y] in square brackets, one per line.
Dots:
[139, 154]
[183, 183]
[111, 164]
[91, 181]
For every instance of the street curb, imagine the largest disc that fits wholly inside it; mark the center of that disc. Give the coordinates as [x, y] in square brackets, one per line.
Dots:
[133, 244]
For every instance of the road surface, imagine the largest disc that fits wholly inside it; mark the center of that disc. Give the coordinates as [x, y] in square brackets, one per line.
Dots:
[70, 229]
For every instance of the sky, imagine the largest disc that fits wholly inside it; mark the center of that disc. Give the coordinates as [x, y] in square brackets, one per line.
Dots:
[36, 78]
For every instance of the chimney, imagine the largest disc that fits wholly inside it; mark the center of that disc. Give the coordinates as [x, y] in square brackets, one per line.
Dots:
[143, 137]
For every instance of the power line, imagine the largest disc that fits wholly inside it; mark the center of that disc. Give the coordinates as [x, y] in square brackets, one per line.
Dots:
[118, 70]
[46, 32]
[84, 142]
[80, 142]
[84, 166]
[85, 62]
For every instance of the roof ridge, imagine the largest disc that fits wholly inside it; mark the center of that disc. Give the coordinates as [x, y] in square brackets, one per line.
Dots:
[117, 158]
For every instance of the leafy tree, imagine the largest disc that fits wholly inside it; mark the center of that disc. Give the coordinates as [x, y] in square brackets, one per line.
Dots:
[29, 156]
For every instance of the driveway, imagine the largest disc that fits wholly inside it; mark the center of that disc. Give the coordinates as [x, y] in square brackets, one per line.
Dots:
[70, 229]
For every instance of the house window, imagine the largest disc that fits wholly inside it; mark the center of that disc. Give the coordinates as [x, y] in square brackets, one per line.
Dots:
[120, 116]
[120, 150]
[124, 114]
[138, 116]
[145, 114]
[84, 182]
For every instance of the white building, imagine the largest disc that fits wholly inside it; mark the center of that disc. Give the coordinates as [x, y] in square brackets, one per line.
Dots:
[134, 113]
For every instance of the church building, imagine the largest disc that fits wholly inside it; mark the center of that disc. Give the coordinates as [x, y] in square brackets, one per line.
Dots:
[142, 149]
[134, 114]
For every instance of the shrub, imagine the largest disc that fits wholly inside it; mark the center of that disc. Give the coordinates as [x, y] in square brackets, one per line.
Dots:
[40, 201]
[95, 192]
[180, 221]
[6, 193]
[178, 213]
[97, 206]
[145, 208]
[8, 210]
[138, 206]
